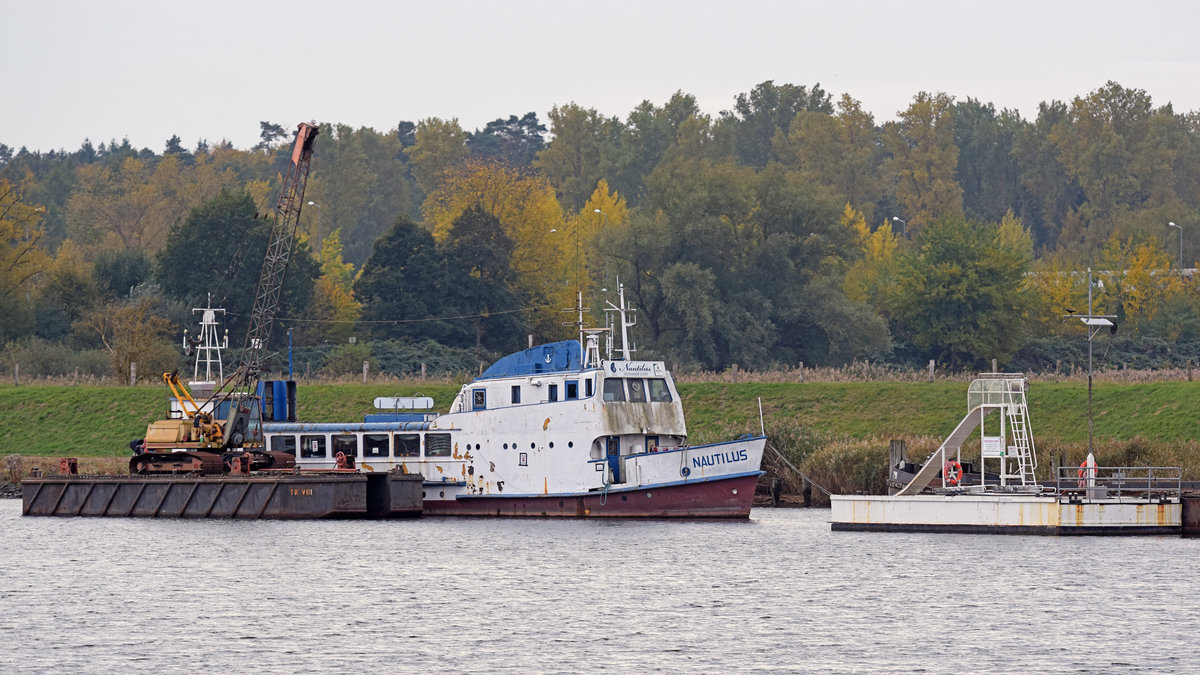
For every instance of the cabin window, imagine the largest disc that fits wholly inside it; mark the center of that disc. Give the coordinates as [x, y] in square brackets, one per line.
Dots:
[659, 391]
[589, 387]
[652, 444]
[516, 394]
[284, 444]
[637, 391]
[312, 446]
[346, 444]
[572, 390]
[254, 425]
[553, 393]
[437, 445]
[408, 445]
[375, 445]
[479, 399]
[614, 390]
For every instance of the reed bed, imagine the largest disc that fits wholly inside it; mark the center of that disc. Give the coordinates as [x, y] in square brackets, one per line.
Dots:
[865, 371]
[859, 371]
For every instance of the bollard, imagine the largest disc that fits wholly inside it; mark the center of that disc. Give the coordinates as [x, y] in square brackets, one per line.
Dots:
[1190, 514]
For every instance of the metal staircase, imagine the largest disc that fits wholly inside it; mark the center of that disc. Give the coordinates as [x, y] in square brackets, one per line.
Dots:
[1021, 449]
[1011, 445]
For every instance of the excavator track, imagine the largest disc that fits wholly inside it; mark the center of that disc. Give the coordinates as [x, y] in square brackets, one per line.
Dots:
[190, 462]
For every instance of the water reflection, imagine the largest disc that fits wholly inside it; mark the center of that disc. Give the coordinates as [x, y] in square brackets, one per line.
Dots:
[779, 593]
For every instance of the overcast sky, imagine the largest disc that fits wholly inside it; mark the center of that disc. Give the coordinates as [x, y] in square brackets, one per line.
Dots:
[214, 69]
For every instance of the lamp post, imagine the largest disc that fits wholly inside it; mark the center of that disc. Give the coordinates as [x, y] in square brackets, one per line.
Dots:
[1180, 228]
[903, 226]
[1093, 323]
[318, 228]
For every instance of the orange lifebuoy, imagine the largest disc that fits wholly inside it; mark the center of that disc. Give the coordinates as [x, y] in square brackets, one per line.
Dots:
[953, 472]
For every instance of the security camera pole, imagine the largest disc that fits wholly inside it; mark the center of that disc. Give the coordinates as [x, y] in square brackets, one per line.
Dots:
[1094, 323]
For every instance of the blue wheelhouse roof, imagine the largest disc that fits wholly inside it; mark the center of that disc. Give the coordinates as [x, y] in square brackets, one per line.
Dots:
[556, 357]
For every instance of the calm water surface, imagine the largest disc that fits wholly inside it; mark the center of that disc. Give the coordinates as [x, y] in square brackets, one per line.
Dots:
[778, 593]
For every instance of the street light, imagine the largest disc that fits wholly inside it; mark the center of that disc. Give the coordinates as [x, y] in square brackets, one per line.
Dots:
[903, 226]
[1180, 228]
[1094, 324]
[318, 227]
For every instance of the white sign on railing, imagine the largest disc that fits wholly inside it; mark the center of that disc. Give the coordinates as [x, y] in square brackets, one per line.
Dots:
[404, 403]
[993, 446]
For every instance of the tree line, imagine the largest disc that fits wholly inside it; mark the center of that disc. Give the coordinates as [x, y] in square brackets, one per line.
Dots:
[790, 228]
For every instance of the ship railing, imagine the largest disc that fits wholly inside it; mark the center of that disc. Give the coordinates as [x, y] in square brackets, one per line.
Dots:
[1120, 482]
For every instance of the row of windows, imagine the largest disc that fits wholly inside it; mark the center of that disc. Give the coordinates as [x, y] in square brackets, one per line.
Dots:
[654, 390]
[373, 445]
[316, 446]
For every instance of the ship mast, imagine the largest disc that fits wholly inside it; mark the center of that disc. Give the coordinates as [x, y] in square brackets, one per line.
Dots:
[206, 347]
[623, 317]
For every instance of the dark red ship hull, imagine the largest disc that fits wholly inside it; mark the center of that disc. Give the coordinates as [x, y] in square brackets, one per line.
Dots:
[725, 498]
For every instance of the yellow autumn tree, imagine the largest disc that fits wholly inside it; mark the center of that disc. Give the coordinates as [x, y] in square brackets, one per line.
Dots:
[1137, 279]
[867, 276]
[21, 257]
[529, 212]
[1059, 288]
[605, 209]
[334, 307]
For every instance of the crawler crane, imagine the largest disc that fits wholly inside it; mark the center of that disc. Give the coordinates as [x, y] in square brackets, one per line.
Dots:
[225, 433]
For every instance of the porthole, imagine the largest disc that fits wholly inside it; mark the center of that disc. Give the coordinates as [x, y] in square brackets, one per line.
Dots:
[735, 491]
[560, 504]
[476, 446]
[570, 444]
[506, 446]
[443, 493]
[422, 494]
[551, 444]
[647, 495]
[624, 498]
[532, 446]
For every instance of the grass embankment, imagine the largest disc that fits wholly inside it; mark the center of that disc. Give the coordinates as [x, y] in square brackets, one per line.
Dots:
[836, 432]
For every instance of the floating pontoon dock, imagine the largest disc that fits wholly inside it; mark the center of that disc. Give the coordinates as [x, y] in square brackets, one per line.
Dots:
[1086, 500]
